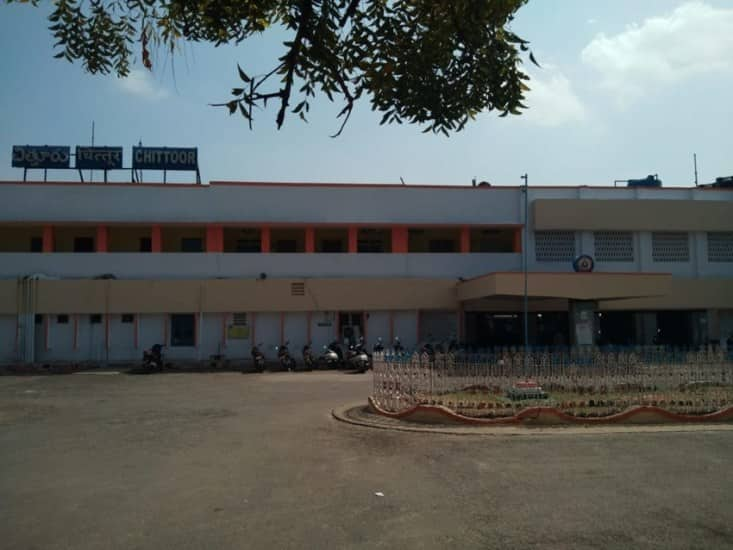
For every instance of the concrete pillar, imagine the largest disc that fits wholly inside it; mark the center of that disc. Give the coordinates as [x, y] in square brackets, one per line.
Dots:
[465, 244]
[310, 239]
[48, 238]
[156, 239]
[265, 239]
[517, 247]
[214, 238]
[399, 239]
[102, 238]
[587, 245]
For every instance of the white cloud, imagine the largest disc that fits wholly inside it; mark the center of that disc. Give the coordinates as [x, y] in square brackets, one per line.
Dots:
[592, 21]
[140, 83]
[551, 100]
[692, 40]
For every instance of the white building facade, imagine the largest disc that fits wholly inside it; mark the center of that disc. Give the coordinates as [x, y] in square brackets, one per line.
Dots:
[99, 272]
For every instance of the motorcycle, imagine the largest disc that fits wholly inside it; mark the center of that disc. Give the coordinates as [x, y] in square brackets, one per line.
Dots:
[331, 357]
[153, 359]
[357, 357]
[397, 349]
[258, 358]
[283, 355]
[308, 359]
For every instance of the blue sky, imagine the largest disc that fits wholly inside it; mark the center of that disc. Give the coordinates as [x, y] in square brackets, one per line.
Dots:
[627, 88]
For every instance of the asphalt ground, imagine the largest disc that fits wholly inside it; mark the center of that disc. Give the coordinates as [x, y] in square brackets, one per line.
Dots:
[228, 460]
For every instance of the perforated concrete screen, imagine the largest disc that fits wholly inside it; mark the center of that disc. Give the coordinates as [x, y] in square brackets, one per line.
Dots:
[614, 246]
[670, 247]
[554, 246]
[720, 246]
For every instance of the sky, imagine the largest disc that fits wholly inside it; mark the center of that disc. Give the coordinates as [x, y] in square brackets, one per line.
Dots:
[626, 89]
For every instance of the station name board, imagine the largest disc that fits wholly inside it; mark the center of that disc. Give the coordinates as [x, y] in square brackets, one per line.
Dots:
[164, 158]
[99, 158]
[40, 156]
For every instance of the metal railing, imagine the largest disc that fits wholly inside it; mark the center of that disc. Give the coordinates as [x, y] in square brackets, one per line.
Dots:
[585, 381]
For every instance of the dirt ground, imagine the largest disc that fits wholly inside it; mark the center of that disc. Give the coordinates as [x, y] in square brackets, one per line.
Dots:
[191, 461]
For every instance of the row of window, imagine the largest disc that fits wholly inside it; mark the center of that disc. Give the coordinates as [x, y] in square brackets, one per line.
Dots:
[618, 246]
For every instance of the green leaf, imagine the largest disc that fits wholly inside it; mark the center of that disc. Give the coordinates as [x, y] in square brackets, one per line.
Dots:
[242, 74]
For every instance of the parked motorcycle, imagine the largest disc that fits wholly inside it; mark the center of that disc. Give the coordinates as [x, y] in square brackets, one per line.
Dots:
[397, 348]
[153, 359]
[283, 355]
[357, 356]
[309, 361]
[258, 358]
[331, 357]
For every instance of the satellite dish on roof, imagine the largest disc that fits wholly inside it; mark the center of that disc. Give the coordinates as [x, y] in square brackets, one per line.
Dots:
[484, 184]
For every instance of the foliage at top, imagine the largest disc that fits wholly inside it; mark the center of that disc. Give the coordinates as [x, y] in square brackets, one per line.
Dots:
[435, 63]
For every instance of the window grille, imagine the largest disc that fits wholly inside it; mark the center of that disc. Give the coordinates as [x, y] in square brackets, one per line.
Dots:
[297, 289]
[720, 247]
[554, 246]
[614, 246]
[670, 247]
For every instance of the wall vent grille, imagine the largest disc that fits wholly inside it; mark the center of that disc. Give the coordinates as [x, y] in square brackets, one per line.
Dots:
[614, 246]
[554, 246]
[670, 247]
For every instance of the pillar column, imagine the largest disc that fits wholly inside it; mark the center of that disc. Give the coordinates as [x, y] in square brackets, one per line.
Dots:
[214, 238]
[465, 241]
[399, 239]
[102, 238]
[517, 246]
[265, 239]
[353, 245]
[156, 239]
[310, 239]
[48, 238]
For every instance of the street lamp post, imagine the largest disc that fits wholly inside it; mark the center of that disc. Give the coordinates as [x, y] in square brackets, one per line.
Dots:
[525, 177]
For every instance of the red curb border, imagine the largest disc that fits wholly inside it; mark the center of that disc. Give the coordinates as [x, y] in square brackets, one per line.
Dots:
[436, 414]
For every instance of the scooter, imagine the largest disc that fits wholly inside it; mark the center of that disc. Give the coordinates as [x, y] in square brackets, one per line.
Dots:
[308, 359]
[286, 360]
[258, 358]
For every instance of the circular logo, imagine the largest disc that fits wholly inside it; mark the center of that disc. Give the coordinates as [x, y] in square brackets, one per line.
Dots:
[583, 264]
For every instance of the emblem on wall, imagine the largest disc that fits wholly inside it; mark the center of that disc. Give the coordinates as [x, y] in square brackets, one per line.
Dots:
[583, 264]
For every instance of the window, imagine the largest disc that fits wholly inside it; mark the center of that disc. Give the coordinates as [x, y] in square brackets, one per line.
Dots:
[239, 319]
[370, 246]
[95, 318]
[248, 245]
[38, 319]
[83, 244]
[297, 289]
[36, 244]
[286, 245]
[495, 240]
[146, 244]
[192, 244]
[441, 245]
[62, 319]
[614, 246]
[670, 247]
[128, 318]
[720, 247]
[332, 245]
[183, 330]
[554, 246]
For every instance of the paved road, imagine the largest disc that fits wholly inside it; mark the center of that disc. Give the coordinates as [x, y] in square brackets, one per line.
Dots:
[191, 461]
